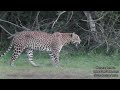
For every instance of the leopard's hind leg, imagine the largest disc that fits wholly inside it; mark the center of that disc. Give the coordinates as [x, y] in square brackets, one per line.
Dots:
[17, 51]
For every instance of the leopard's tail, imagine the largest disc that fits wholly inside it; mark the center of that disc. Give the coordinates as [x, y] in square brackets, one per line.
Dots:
[9, 48]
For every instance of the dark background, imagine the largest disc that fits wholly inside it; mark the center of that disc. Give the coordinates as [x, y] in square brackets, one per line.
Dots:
[98, 30]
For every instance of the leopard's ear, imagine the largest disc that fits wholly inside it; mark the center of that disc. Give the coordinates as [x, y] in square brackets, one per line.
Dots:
[72, 34]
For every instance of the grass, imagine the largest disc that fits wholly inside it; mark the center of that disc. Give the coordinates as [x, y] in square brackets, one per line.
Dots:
[73, 65]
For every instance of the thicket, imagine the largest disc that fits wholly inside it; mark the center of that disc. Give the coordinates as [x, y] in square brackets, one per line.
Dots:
[98, 30]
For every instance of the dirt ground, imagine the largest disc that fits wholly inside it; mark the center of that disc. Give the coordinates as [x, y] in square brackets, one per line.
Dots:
[46, 75]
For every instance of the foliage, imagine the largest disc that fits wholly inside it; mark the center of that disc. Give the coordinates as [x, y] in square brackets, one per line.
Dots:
[97, 29]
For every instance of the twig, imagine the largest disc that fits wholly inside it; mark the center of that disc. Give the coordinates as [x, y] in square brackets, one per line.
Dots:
[102, 29]
[101, 16]
[96, 19]
[82, 27]
[12, 24]
[19, 21]
[5, 30]
[46, 23]
[70, 18]
[22, 25]
[36, 19]
[117, 44]
[48, 19]
[97, 46]
[13, 35]
[58, 18]
[105, 38]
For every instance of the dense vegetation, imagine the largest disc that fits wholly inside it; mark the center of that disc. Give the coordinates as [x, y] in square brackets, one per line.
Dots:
[98, 30]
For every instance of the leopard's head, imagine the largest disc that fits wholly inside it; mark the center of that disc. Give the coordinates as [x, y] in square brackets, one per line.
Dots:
[75, 39]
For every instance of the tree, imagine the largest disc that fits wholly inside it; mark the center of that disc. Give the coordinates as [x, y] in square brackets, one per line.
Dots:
[97, 29]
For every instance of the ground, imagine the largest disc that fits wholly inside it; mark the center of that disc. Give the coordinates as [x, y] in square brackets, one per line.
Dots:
[73, 66]
[39, 73]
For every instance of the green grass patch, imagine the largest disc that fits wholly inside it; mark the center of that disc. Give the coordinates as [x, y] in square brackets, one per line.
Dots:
[73, 65]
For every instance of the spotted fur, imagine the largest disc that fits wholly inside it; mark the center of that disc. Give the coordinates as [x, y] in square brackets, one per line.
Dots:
[35, 40]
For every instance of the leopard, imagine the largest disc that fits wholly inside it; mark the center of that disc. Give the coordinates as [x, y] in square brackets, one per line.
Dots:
[42, 41]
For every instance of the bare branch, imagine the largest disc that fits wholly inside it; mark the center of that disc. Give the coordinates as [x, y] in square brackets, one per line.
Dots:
[81, 27]
[13, 35]
[101, 27]
[36, 19]
[58, 18]
[96, 19]
[101, 17]
[97, 46]
[19, 21]
[46, 23]
[117, 44]
[22, 25]
[70, 18]
[5, 30]
[13, 24]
